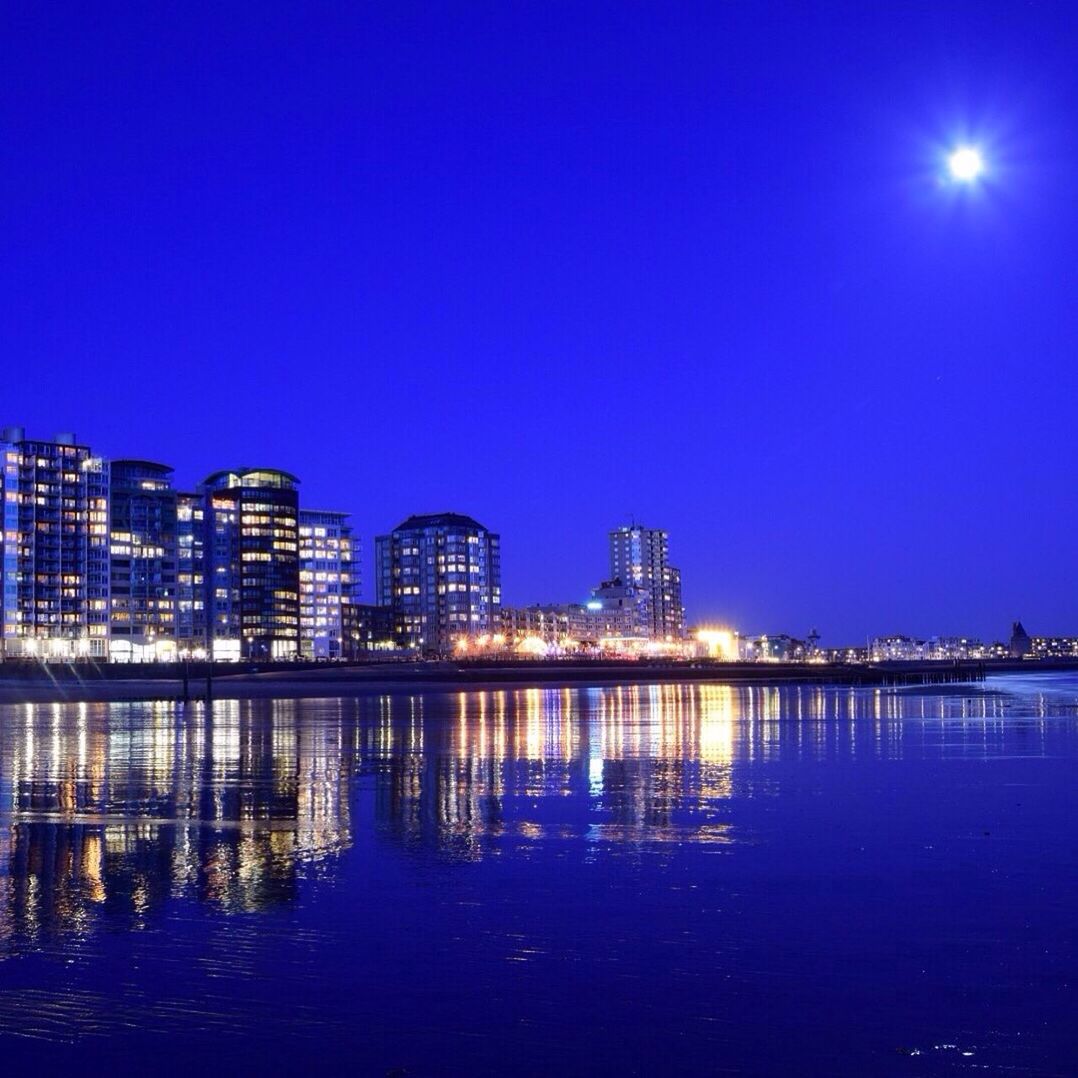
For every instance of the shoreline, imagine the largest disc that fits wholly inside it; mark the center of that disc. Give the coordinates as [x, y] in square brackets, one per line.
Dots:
[107, 685]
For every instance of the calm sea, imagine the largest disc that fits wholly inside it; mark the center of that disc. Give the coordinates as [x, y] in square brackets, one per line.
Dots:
[680, 879]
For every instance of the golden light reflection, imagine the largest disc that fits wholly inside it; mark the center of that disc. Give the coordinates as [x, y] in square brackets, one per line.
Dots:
[112, 809]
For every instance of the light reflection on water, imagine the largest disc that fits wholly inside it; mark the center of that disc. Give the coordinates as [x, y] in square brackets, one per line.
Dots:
[139, 802]
[217, 849]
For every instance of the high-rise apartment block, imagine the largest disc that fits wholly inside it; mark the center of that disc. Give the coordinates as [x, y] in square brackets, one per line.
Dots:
[327, 583]
[142, 545]
[441, 576]
[640, 557]
[101, 561]
[54, 566]
[109, 561]
[252, 564]
[191, 628]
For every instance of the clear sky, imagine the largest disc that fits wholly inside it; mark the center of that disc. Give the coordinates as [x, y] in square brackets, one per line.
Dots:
[555, 265]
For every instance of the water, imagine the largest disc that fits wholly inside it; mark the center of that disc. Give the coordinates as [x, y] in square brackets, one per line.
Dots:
[677, 879]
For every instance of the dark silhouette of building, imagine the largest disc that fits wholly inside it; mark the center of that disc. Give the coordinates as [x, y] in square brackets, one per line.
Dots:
[1021, 645]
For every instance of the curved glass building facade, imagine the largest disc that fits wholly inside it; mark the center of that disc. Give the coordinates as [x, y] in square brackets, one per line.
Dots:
[252, 564]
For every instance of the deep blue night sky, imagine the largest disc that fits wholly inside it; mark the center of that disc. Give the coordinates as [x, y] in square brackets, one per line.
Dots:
[557, 264]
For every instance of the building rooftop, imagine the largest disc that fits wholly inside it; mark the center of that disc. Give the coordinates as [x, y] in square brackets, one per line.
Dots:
[336, 514]
[255, 477]
[134, 463]
[17, 435]
[439, 520]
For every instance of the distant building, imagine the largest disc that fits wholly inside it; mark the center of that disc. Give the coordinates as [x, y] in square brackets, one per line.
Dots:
[845, 655]
[142, 604]
[564, 624]
[639, 557]
[620, 609]
[327, 582]
[778, 647]
[950, 648]
[441, 576]
[1020, 644]
[1054, 647]
[54, 548]
[252, 564]
[896, 649]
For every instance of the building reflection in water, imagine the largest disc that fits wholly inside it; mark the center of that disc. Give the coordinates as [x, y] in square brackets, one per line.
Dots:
[114, 810]
[117, 808]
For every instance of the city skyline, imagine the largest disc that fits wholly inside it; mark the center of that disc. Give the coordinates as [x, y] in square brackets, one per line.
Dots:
[538, 537]
[558, 270]
[331, 569]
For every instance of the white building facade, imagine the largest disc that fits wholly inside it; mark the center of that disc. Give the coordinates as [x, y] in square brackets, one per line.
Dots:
[327, 582]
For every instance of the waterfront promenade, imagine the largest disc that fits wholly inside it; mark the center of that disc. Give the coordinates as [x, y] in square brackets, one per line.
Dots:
[89, 682]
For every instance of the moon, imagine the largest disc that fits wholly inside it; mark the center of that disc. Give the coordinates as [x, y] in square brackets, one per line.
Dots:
[965, 164]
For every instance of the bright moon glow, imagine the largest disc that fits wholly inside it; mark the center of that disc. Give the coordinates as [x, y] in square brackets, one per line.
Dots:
[966, 164]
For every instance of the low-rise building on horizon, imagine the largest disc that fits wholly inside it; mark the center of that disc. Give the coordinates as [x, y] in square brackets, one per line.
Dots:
[776, 647]
[896, 648]
[565, 625]
[622, 610]
[1054, 647]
